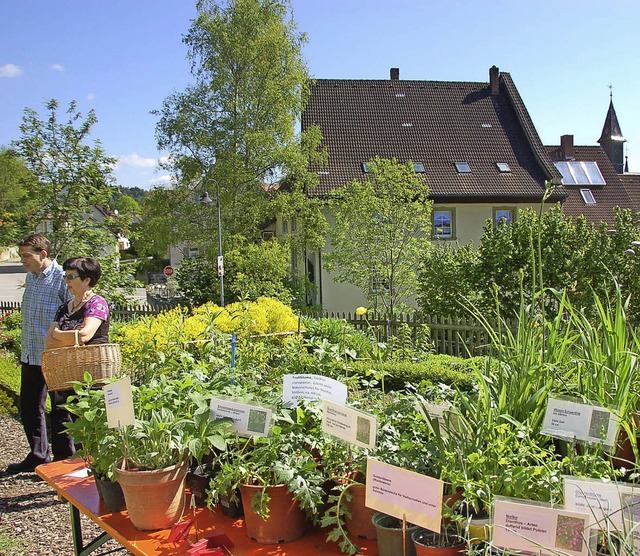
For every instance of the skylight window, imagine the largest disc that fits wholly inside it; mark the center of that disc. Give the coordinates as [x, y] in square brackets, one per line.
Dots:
[365, 167]
[575, 172]
[407, 124]
[463, 167]
[418, 167]
[587, 196]
[503, 167]
[486, 125]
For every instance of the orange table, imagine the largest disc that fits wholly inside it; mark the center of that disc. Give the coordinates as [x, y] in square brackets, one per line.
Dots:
[65, 477]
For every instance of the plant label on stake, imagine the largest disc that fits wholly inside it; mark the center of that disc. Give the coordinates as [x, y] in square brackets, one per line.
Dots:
[248, 420]
[539, 528]
[348, 424]
[404, 494]
[610, 503]
[119, 403]
[571, 420]
[312, 387]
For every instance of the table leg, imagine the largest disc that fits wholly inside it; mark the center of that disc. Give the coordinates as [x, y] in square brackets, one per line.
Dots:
[76, 531]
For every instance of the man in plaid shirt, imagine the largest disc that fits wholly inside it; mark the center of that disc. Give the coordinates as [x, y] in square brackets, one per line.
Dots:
[45, 290]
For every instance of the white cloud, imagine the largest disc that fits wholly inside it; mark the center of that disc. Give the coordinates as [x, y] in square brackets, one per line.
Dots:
[10, 70]
[136, 161]
[56, 67]
[91, 96]
[161, 180]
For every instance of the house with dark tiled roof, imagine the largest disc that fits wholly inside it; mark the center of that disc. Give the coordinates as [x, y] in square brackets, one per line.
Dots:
[475, 145]
[473, 142]
[593, 187]
[593, 177]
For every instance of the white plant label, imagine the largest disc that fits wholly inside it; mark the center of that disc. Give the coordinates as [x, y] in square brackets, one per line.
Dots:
[248, 420]
[572, 420]
[119, 403]
[348, 424]
[540, 529]
[312, 387]
[610, 503]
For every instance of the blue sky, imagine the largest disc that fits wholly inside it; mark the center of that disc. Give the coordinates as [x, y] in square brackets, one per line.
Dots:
[123, 57]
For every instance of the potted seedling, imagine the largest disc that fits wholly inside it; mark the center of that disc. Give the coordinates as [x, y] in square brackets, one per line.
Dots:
[278, 477]
[173, 426]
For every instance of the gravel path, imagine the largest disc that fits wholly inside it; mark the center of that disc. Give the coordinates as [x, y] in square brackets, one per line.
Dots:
[30, 513]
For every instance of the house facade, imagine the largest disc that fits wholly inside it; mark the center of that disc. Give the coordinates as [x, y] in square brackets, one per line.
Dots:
[473, 142]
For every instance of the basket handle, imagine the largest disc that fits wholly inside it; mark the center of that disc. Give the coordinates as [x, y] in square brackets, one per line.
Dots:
[77, 339]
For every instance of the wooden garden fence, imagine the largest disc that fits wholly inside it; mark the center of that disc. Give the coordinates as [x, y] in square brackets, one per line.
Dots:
[452, 336]
[460, 337]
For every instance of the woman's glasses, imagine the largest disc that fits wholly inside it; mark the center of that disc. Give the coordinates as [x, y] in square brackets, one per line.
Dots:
[69, 277]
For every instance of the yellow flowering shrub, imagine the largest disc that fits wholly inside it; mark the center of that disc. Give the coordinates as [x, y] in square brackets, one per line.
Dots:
[169, 332]
[280, 317]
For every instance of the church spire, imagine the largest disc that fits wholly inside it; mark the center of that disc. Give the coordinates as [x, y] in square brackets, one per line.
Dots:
[611, 138]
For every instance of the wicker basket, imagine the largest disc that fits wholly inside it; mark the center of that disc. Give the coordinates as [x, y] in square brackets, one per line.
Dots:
[61, 366]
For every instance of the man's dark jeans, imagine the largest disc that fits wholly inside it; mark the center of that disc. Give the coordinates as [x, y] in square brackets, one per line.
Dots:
[33, 397]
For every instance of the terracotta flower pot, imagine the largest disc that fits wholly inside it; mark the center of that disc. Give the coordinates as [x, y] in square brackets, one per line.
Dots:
[286, 521]
[360, 523]
[426, 543]
[623, 455]
[155, 499]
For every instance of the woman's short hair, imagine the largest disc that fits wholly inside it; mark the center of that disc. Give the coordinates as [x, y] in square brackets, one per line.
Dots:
[86, 267]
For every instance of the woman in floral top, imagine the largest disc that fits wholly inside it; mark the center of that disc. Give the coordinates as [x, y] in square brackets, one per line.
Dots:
[87, 313]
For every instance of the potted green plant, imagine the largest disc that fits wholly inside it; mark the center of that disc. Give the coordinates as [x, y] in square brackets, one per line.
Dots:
[278, 476]
[400, 442]
[172, 427]
[98, 445]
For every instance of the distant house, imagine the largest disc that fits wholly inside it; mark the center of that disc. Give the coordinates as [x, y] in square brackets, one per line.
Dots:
[474, 143]
[98, 214]
[591, 183]
[593, 176]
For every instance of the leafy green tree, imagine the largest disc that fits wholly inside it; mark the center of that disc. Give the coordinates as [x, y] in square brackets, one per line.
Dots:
[15, 202]
[233, 131]
[236, 123]
[446, 274]
[536, 252]
[70, 179]
[252, 270]
[258, 269]
[382, 229]
[197, 281]
[125, 204]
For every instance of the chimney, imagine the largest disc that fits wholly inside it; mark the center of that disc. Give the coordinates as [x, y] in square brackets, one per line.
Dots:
[566, 147]
[395, 74]
[494, 80]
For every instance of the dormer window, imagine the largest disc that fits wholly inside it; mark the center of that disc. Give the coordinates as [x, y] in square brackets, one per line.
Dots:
[463, 167]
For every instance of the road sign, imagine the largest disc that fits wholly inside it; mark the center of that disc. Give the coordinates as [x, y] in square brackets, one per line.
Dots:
[168, 270]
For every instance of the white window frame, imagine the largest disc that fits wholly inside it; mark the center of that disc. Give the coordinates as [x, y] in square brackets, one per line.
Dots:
[587, 196]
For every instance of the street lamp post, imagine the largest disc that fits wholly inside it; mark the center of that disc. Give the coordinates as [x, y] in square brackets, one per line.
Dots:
[206, 200]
